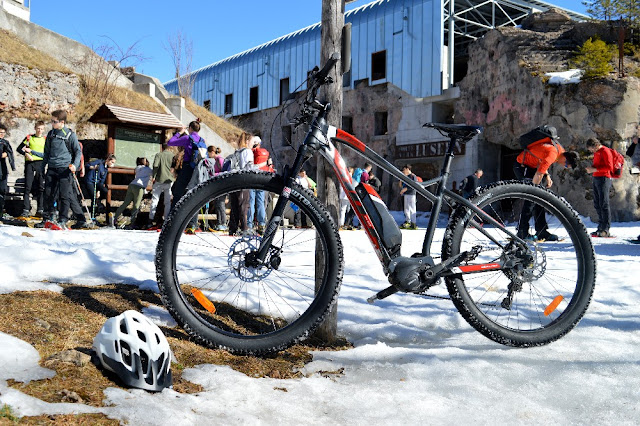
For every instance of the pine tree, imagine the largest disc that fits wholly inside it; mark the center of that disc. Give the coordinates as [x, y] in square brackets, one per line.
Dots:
[605, 10]
[594, 57]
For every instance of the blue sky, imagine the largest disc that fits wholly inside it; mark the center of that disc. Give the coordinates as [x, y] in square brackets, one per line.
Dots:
[218, 29]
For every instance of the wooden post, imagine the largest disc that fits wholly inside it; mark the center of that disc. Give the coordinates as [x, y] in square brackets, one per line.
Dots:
[330, 41]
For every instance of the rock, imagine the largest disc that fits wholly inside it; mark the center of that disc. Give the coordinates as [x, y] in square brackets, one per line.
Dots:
[505, 92]
[69, 356]
[551, 20]
[70, 396]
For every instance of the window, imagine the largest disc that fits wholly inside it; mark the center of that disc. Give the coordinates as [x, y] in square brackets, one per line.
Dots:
[380, 123]
[228, 104]
[253, 97]
[379, 65]
[346, 79]
[207, 105]
[347, 124]
[284, 90]
[286, 135]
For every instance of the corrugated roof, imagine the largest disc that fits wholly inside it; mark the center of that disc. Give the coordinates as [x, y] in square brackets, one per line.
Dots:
[116, 114]
[538, 4]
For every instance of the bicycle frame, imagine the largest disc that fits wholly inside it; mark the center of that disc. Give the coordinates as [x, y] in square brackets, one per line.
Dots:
[322, 138]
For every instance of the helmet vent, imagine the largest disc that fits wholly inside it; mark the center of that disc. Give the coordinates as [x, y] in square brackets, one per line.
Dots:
[123, 327]
[157, 339]
[126, 353]
[142, 336]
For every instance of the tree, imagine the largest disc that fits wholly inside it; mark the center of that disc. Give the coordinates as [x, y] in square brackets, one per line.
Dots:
[99, 69]
[330, 42]
[594, 57]
[605, 10]
[180, 48]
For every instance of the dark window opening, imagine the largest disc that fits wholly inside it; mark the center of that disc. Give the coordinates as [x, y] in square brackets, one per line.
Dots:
[286, 135]
[346, 79]
[284, 90]
[228, 103]
[379, 65]
[381, 123]
[253, 97]
[207, 105]
[347, 124]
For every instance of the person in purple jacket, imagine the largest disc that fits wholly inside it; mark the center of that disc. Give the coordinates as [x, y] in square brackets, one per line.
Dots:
[188, 139]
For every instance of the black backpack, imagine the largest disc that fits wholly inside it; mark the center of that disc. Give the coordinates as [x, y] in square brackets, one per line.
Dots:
[538, 134]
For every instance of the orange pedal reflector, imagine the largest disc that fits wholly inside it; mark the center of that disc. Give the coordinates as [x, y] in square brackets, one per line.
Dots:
[552, 306]
[206, 303]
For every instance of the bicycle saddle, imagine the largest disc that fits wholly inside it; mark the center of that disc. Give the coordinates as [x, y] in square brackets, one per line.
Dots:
[458, 131]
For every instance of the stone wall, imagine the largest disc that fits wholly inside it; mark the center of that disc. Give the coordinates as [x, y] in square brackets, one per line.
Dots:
[505, 92]
[31, 92]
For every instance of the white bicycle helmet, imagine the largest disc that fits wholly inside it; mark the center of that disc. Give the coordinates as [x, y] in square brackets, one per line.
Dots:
[135, 349]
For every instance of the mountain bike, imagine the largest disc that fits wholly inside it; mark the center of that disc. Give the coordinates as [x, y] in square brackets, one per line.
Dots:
[254, 294]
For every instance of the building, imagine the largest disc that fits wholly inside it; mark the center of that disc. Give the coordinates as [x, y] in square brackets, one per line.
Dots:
[407, 56]
[19, 8]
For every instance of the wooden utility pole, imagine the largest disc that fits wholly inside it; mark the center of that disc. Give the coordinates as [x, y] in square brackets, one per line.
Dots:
[330, 41]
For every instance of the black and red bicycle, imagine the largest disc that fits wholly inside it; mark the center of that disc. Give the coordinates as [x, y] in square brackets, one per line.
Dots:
[255, 294]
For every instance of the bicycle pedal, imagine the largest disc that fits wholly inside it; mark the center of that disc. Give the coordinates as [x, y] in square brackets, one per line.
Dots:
[382, 294]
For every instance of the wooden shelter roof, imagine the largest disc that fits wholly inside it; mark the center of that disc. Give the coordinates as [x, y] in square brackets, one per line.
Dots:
[111, 114]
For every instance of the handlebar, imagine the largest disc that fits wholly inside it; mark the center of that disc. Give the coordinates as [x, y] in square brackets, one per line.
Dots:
[316, 80]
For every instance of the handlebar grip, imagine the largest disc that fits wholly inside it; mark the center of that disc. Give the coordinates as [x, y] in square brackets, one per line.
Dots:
[322, 74]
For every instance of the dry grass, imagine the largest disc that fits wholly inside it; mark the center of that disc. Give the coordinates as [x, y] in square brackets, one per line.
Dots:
[54, 322]
[228, 130]
[15, 51]
[119, 96]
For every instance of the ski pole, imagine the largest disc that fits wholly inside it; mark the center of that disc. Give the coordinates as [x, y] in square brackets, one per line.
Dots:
[95, 190]
[75, 178]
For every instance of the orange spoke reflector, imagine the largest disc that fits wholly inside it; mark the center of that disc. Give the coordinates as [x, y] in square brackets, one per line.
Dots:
[206, 303]
[552, 306]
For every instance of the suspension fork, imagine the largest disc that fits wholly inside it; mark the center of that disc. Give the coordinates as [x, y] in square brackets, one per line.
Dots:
[312, 142]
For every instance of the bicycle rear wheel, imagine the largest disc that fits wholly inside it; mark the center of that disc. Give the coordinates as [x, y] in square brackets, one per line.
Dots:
[533, 303]
[211, 287]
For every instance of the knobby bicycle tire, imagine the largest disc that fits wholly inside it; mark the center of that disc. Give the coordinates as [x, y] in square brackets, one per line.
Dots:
[557, 287]
[208, 287]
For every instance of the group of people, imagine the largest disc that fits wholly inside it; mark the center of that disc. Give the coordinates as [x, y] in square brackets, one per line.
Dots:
[52, 163]
[247, 207]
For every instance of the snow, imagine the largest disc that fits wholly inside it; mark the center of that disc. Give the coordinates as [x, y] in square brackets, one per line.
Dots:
[572, 76]
[415, 360]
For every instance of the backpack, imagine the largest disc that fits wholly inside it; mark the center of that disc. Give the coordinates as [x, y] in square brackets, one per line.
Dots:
[198, 151]
[218, 165]
[618, 164]
[232, 162]
[357, 174]
[537, 135]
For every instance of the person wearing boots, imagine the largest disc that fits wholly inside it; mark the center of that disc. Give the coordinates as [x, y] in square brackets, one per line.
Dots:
[135, 191]
[533, 163]
[601, 170]
[32, 147]
[6, 152]
[61, 158]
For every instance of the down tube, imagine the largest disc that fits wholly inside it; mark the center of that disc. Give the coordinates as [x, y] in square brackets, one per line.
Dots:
[331, 154]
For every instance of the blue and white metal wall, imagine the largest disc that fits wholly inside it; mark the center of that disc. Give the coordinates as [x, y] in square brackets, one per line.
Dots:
[410, 31]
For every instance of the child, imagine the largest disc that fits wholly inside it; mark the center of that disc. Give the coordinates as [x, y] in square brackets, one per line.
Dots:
[135, 191]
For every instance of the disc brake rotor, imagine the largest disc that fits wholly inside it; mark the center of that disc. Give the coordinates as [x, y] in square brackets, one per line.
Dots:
[237, 259]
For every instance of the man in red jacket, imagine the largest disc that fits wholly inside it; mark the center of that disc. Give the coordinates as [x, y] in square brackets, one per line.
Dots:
[602, 168]
[534, 163]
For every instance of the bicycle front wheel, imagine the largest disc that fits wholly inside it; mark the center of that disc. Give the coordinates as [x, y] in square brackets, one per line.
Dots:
[211, 283]
[546, 291]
